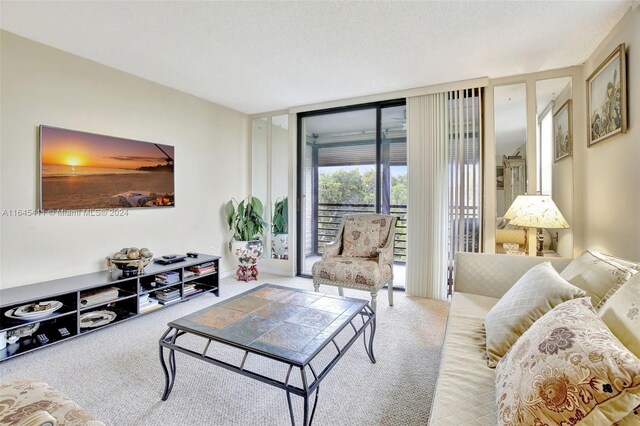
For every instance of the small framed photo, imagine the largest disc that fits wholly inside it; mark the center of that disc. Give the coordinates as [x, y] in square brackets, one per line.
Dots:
[562, 132]
[500, 177]
[607, 98]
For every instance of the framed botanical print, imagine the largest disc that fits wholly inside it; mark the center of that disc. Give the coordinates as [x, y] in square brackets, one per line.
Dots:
[607, 98]
[562, 132]
[500, 177]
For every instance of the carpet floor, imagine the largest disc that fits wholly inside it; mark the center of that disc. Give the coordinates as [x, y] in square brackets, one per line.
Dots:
[115, 373]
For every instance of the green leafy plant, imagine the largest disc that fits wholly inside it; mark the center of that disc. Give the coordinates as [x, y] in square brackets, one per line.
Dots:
[280, 221]
[245, 218]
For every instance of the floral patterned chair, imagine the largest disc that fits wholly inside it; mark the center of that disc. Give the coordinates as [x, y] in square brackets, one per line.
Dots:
[30, 402]
[360, 256]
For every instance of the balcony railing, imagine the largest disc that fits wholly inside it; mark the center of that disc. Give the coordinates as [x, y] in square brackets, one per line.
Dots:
[330, 216]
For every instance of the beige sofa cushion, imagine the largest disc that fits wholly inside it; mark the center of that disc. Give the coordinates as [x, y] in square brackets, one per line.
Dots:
[537, 292]
[567, 368]
[597, 274]
[465, 394]
[621, 313]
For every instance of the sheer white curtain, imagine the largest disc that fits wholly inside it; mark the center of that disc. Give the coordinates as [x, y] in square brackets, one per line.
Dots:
[427, 214]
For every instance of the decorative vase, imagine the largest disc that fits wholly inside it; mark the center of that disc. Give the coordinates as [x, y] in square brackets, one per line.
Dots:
[280, 246]
[247, 253]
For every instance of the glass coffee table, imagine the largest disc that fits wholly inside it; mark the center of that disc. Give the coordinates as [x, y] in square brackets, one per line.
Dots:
[283, 324]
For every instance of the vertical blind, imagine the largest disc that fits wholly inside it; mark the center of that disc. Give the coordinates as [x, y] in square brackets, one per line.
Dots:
[445, 186]
[465, 171]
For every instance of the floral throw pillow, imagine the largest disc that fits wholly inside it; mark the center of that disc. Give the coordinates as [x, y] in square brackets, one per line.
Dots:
[567, 369]
[361, 237]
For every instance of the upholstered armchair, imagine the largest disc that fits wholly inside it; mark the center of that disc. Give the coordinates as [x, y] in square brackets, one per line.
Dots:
[360, 256]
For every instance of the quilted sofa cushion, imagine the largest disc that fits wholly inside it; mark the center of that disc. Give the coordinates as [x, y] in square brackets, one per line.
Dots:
[357, 270]
[465, 394]
[533, 295]
[567, 369]
[29, 398]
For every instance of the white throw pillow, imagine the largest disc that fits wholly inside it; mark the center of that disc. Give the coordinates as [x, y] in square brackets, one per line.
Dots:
[621, 313]
[538, 291]
[597, 274]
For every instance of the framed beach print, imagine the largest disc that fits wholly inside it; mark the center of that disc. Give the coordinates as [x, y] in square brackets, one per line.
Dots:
[607, 98]
[562, 132]
[80, 170]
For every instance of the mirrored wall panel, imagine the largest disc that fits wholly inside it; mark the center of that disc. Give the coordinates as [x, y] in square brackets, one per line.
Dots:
[259, 165]
[510, 109]
[554, 164]
[280, 187]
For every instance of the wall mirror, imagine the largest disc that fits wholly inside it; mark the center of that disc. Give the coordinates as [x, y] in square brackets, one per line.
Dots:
[554, 157]
[510, 112]
[280, 187]
[259, 165]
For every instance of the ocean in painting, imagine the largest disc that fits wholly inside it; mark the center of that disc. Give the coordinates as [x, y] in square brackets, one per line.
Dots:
[49, 170]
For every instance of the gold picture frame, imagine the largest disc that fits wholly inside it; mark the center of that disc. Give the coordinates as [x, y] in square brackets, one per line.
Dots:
[607, 98]
[562, 132]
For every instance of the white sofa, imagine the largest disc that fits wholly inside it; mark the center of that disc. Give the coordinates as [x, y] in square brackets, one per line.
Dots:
[465, 392]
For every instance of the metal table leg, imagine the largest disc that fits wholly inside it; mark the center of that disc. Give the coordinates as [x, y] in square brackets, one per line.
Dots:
[169, 373]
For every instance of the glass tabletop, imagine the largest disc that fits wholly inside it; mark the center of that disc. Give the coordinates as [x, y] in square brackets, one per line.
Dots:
[280, 322]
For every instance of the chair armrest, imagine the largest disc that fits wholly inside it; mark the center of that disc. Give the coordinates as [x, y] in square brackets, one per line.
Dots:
[385, 253]
[333, 248]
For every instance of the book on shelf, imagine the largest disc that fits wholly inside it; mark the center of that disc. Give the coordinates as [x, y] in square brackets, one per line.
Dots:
[150, 306]
[93, 297]
[190, 289]
[169, 302]
[191, 293]
[168, 278]
[203, 268]
[188, 274]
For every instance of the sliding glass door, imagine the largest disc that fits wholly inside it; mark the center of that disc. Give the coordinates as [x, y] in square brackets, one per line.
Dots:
[351, 160]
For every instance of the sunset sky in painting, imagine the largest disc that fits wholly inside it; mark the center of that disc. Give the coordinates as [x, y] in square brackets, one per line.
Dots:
[71, 148]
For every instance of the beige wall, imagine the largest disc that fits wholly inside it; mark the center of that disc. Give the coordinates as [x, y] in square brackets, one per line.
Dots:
[42, 85]
[608, 174]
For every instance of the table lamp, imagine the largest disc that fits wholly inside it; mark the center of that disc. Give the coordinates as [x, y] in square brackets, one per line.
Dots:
[532, 212]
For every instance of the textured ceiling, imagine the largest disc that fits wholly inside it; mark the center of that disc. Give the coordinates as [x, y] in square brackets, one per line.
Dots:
[261, 56]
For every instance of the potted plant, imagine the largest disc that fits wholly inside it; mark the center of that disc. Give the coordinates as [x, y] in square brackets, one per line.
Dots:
[246, 222]
[280, 230]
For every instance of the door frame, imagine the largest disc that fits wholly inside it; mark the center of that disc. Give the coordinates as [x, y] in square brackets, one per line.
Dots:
[300, 255]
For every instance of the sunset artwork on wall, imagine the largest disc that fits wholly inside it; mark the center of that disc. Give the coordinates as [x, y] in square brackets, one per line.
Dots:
[81, 170]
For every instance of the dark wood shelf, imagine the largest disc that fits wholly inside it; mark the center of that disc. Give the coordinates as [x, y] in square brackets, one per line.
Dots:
[200, 293]
[31, 343]
[69, 291]
[195, 277]
[147, 291]
[10, 323]
[122, 315]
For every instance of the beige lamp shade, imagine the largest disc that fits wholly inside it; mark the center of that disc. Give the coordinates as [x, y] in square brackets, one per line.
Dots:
[535, 211]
